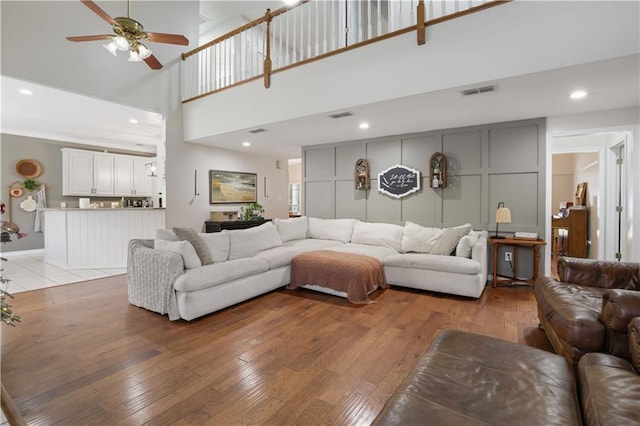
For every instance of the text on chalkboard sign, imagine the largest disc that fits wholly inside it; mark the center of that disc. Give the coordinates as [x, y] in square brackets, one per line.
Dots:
[399, 181]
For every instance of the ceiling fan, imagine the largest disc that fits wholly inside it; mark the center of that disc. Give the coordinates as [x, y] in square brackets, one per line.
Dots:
[129, 36]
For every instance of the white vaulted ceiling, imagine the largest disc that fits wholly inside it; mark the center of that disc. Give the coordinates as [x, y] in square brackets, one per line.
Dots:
[83, 94]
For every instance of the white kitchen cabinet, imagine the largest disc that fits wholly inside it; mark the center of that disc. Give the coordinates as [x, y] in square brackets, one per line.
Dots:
[86, 173]
[131, 176]
[109, 175]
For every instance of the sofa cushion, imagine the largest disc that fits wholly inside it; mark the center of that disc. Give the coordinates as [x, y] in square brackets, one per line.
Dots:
[572, 311]
[248, 242]
[469, 379]
[459, 265]
[294, 228]
[278, 256]
[184, 248]
[331, 229]
[378, 234]
[219, 273]
[218, 245]
[419, 239]
[188, 234]
[310, 244]
[609, 390]
[377, 252]
[449, 239]
[463, 249]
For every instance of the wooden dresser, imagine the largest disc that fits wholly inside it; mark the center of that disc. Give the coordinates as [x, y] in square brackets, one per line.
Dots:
[575, 244]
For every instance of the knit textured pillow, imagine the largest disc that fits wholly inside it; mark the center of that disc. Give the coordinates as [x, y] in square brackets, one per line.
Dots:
[188, 234]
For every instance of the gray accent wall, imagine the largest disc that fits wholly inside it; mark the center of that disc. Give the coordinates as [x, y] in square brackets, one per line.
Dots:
[487, 164]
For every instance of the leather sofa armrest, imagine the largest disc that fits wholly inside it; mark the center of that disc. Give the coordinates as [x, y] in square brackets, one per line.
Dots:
[599, 273]
[619, 307]
[634, 343]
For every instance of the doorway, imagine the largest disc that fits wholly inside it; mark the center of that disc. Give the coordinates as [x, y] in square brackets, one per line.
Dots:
[597, 158]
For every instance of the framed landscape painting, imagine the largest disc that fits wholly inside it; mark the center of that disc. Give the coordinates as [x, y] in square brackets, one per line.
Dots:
[232, 187]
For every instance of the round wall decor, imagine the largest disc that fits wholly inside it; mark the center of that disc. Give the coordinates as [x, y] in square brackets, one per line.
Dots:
[16, 192]
[28, 169]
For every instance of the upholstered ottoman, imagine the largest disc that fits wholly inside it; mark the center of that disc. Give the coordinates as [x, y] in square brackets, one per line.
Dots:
[349, 275]
[468, 379]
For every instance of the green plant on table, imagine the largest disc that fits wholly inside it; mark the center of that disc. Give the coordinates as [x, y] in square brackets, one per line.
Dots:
[252, 211]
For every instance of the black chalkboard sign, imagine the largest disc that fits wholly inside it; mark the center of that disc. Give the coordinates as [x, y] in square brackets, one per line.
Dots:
[399, 181]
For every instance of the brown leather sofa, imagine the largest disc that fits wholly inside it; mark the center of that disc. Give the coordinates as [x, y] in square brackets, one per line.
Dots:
[477, 380]
[589, 308]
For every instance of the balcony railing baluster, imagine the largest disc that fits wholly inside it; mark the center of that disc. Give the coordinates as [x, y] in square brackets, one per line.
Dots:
[305, 32]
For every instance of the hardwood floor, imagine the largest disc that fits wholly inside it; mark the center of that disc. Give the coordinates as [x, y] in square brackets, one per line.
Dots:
[83, 356]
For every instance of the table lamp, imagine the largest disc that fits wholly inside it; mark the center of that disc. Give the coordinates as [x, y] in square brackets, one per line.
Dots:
[503, 215]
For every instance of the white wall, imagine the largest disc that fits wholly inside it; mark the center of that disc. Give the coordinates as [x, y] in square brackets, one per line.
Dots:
[562, 187]
[626, 121]
[184, 158]
[458, 52]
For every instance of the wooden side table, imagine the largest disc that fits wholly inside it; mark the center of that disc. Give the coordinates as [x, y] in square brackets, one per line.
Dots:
[516, 244]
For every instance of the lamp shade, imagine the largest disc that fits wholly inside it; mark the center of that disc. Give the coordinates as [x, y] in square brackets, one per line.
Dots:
[503, 214]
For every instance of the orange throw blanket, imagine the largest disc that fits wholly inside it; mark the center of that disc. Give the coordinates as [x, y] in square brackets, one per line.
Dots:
[354, 274]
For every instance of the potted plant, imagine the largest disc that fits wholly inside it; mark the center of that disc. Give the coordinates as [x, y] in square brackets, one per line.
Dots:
[252, 212]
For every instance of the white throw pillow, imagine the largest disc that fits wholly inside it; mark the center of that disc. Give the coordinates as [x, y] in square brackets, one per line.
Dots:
[463, 249]
[420, 239]
[378, 234]
[331, 229]
[294, 228]
[166, 235]
[184, 248]
[218, 245]
[248, 242]
[449, 239]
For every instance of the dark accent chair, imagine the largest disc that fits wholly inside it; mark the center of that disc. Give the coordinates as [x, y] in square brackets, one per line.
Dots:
[589, 308]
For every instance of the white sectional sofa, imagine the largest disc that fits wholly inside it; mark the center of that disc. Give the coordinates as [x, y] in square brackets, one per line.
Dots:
[186, 274]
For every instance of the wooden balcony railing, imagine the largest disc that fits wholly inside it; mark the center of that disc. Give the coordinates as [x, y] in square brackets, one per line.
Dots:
[308, 31]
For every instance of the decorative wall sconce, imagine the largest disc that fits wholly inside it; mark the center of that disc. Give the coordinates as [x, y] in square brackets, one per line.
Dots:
[438, 171]
[362, 175]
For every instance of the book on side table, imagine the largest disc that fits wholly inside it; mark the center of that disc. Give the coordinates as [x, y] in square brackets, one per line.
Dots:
[525, 235]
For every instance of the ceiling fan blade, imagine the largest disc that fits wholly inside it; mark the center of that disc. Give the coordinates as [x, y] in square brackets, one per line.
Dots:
[101, 13]
[91, 37]
[168, 38]
[153, 62]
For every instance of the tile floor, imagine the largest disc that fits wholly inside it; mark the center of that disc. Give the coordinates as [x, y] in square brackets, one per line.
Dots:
[30, 272]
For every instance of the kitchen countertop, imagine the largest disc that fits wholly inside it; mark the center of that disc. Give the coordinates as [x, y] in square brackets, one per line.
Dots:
[104, 208]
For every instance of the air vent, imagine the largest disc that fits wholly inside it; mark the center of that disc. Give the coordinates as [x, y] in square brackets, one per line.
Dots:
[341, 114]
[478, 90]
[260, 130]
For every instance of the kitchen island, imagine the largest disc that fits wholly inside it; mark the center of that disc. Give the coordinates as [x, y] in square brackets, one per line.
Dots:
[96, 238]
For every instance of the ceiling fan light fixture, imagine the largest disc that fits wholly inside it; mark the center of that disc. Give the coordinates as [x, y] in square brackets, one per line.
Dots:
[134, 57]
[111, 48]
[121, 42]
[143, 52]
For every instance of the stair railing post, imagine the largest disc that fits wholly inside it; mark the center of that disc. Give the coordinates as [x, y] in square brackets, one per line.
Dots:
[267, 57]
[420, 27]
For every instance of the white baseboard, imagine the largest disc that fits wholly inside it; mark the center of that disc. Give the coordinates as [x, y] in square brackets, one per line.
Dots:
[22, 252]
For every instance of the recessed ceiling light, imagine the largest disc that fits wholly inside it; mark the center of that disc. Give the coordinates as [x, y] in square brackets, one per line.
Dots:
[26, 92]
[245, 143]
[133, 121]
[364, 125]
[578, 94]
